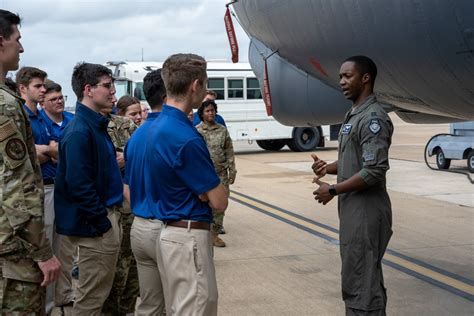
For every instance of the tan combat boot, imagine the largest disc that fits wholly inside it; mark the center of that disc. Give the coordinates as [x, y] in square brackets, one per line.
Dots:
[216, 241]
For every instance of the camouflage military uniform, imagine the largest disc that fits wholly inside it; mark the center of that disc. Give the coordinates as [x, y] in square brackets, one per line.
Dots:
[220, 147]
[125, 289]
[22, 238]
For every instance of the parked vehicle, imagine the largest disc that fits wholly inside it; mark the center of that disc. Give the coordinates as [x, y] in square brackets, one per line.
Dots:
[239, 101]
[458, 144]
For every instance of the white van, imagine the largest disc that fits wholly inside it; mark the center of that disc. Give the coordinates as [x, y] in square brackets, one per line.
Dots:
[239, 102]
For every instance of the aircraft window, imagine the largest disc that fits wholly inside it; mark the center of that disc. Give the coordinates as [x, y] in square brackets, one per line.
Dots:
[217, 85]
[235, 88]
[253, 89]
[138, 91]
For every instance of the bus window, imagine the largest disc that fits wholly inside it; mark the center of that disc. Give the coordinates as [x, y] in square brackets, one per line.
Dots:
[217, 85]
[122, 88]
[138, 91]
[253, 89]
[235, 88]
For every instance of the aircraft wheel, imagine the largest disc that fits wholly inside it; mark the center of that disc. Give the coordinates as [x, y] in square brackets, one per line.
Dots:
[272, 144]
[470, 161]
[304, 139]
[441, 161]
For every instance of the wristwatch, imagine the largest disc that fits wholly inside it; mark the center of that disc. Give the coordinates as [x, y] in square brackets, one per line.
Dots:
[332, 190]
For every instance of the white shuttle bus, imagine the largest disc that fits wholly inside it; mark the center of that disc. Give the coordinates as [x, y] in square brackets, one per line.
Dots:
[239, 102]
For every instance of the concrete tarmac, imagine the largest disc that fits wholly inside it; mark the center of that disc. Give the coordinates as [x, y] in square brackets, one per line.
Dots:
[282, 254]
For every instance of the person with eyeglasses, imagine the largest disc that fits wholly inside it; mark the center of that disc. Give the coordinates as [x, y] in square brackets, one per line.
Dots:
[89, 188]
[53, 109]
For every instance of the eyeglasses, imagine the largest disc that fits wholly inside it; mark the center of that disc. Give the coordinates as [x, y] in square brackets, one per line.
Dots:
[56, 99]
[106, 85]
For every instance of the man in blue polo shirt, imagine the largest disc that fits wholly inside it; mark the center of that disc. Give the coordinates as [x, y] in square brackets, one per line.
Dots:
[89, 190]
[146, 226]
[30, 84]
[53, 110]
[182, 187]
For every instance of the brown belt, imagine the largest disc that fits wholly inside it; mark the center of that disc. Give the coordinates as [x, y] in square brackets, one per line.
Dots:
[192, 225]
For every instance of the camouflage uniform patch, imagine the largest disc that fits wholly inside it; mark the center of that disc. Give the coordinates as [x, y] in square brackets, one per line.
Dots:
[221, 150]
[125, 289]
[15, 149]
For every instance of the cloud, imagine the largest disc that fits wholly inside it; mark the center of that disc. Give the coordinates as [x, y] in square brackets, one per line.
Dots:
[56, 34]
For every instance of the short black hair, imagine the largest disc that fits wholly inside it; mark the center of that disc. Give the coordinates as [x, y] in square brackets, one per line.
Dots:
[7, 20]
[365, 65]
[86, 73]
[204, 105]
[52, 86]
[154, 89]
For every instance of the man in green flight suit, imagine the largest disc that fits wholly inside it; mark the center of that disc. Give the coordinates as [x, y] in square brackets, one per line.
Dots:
[365, 211]
[27, 263]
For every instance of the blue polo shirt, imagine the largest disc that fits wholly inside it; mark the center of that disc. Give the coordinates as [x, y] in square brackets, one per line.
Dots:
[54, 128]
[197, 120]
[180, 168]
[134, 155]
[42, 137]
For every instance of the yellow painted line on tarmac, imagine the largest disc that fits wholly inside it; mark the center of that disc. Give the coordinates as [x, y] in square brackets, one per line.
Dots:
[469, 289]
[431, 274]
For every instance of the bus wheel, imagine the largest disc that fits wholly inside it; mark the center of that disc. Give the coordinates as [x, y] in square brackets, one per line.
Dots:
[271, 144]
[441, 161]
[470, 161]
[304, 139]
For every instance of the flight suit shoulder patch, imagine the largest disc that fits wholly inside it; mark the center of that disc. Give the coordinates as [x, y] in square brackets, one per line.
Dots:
[368, 157]
[6, 130]
[374, 126]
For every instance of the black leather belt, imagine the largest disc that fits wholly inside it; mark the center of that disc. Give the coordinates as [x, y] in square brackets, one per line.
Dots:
[190, 224]
[48, 181]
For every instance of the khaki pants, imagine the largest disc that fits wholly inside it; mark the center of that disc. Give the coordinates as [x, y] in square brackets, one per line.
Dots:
[144, 237]
[97, 262]
[52, 237]
[187, 271]
[64, 293]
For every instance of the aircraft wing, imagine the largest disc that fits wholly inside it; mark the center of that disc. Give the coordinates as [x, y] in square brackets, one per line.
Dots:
[424, 51]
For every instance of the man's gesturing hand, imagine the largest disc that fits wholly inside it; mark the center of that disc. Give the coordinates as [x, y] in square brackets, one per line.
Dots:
[322, 194]
[319, 166]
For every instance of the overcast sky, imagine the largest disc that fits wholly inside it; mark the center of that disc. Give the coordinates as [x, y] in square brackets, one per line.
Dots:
[56, 34]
